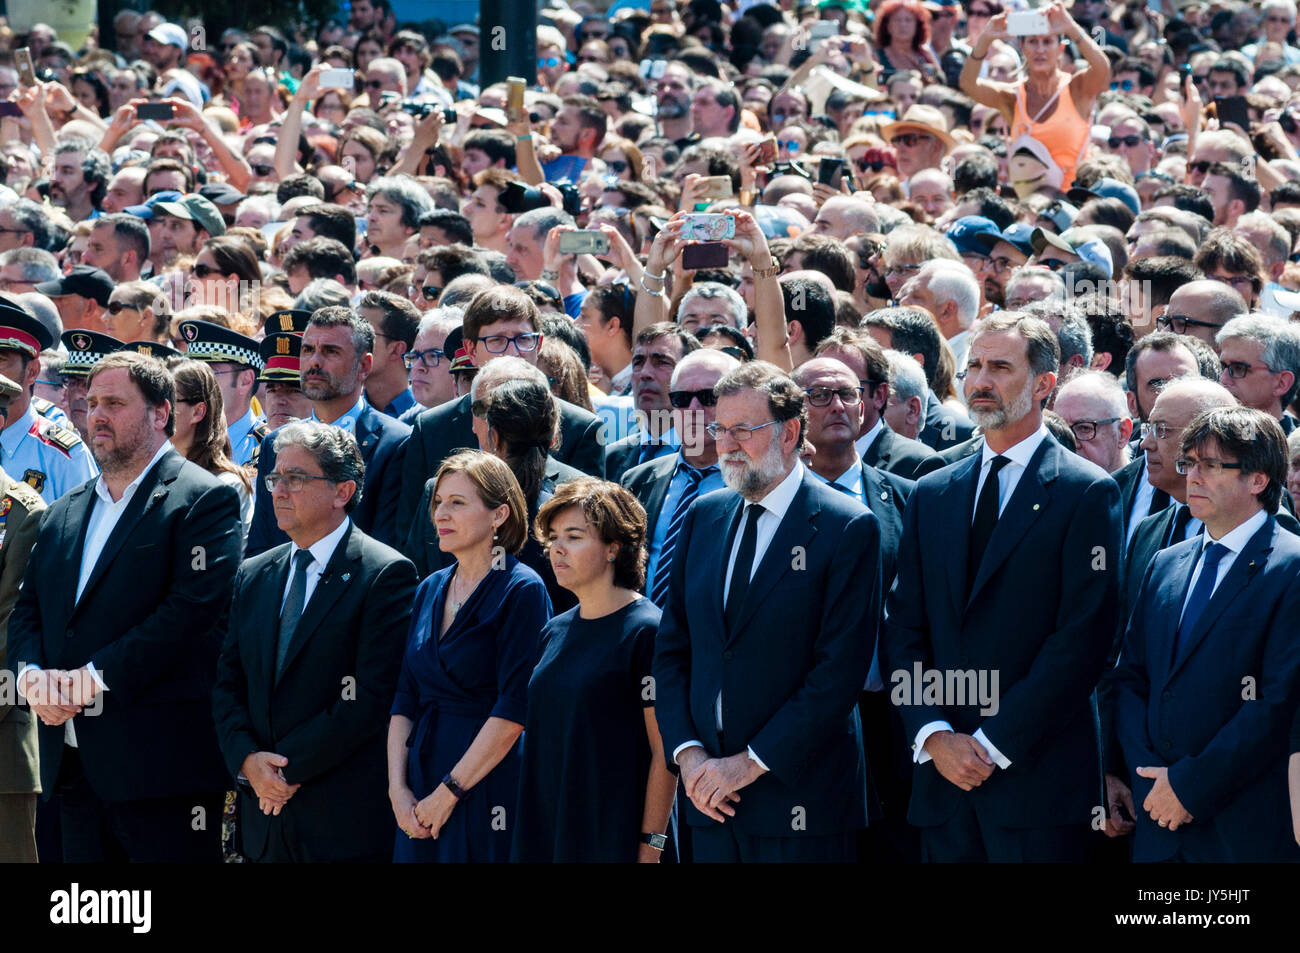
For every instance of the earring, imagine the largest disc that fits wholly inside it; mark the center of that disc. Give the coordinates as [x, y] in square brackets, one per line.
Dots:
[611, 558]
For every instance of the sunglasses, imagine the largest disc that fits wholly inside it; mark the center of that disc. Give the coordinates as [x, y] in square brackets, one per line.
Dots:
[617, 166]
[681, 399]
[910, 139]
[1124, 84]
[117, 307]
[262, 170]
[1116, 141]
[875, 165]
[789, 145]
[548, 62]
[332, 194]
[375, 84]
[1201, 166]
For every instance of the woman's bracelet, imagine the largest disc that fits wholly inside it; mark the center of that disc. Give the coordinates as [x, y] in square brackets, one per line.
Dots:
[654, 294]
[651, 274]
[456, 790]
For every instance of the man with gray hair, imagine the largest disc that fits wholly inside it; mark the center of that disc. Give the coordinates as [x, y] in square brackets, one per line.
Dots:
[1093, 405]
[80, 177]
[843, 216]
[23, 268]
[1274, 244]
[757, 690]
[322, 293]
[311, 770]
[335, 359]
[708, 303]
[428, 362]
[25, 224]
[1261, 364]
[395, 204]
[525, 248]
[905, 408]
[950, 292]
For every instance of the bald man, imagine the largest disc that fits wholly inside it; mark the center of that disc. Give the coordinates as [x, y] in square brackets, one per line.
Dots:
[1200, 308]
[1093, 404]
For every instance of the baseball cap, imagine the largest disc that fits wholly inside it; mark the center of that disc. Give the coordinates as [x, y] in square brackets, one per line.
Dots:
[145, 211]
[1072, 243]
[1017, 234]
[195, 208]
[83, 281]
[965, 231]
[222, 193]
[1108, 189]
[169, 34]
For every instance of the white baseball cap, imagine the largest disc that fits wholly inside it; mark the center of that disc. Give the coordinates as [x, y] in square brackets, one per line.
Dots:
[169, 34]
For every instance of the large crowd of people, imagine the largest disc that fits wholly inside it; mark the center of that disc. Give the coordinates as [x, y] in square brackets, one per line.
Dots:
[798, 431]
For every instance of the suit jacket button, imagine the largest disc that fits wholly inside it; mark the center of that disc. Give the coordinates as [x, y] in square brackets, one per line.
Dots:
[1166, 695]
[1168, 744]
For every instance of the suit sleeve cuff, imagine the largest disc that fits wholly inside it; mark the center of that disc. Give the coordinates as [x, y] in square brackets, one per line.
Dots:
[688, 744]
[753, 756]
[94, 673]
[919, 754]
[22, 673]
[998, 757]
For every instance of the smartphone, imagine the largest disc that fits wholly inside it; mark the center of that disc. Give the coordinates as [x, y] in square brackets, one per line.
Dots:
[821, 30]
[1027, 23]
[705, 255]
[584, 242]
[23, 63]
[515, 87]
[707, 227]
[652, 69]
[337, 79]
[829, 171]
[147, 111]
[1232, 109]
[9, 109]
[715, 187]
[767, 150]
[1184, 74]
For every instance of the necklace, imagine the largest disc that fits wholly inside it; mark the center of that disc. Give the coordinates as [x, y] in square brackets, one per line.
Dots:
[457, 603]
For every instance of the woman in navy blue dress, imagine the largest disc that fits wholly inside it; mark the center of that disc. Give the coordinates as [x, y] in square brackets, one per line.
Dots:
[594, 786]
[453, 740]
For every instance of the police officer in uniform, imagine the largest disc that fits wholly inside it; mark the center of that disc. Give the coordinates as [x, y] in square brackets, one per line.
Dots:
[20, 777]
[237, 361]
[154, 349]
[281, 348]
[85, 348]
[47, 457]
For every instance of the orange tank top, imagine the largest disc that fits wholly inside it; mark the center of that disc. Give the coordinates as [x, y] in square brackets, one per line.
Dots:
[1065, 133]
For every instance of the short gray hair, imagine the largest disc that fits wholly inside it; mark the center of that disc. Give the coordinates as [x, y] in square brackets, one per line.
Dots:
[334, 449]
[954, 281]
[543, 220]
[711, 291]
[1100, 384]
[322, 293]
[906, 379]
[36, 263]
[720, 361]
[406, 192]
[445, 319]
[1280, 343]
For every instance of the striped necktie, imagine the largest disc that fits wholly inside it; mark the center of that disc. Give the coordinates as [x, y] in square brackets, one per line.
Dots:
[664, 570]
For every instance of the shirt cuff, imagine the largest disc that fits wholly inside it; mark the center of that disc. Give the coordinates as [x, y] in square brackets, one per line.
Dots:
[94, 673]
[687, 744]
[998, 757]
[22, 672]
[919, 754]
[756, 759]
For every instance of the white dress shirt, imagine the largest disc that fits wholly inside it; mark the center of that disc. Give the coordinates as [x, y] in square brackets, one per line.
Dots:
[775, 504]
[863, 443]
[321, 552]
[1234, 541]
[105, 512]
[1008, 479]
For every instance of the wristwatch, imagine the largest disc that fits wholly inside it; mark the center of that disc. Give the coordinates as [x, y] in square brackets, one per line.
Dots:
[657, 841]
[768, 272]
[456, 790]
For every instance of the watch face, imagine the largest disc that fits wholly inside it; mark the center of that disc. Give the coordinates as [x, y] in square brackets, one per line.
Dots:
[658, 841]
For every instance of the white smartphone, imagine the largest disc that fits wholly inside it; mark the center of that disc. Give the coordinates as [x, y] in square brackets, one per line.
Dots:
[821, 30]
[1027, 23]
[336, 79]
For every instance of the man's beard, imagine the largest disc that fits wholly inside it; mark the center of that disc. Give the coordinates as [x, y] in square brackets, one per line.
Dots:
[1002, 415]
[125, 448]
[875, 287]
[994, 292]
[323, 388]
[756, 478]
[673, 109]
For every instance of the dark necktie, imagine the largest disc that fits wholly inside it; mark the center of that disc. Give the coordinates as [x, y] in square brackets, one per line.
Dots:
[293, 606]
[986, 518]
[664, 569]
[1211, 556]
[1178, 529]
[744, 566]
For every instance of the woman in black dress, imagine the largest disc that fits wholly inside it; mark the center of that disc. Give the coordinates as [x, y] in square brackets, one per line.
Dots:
[593, 784]
[453, 752]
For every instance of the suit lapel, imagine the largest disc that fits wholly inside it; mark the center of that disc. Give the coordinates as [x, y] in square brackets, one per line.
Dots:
[958, 498]
[878, 453]
[331, 585]
[1243, 569]
[1027, 502]
[151, 491]
[1166, 608]
[654, 501]
[368, 433]
[795, 529]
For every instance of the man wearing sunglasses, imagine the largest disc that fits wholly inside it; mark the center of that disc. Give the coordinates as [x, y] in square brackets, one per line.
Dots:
[1261, 364]
[1130, 139]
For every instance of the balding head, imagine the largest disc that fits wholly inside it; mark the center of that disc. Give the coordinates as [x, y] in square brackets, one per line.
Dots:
[1211, 303]
[1093, 403]
[1175, 406]
[844, 216]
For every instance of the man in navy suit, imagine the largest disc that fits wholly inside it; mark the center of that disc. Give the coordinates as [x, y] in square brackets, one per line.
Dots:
[1209, 678]
[766, 640]
[1009, 569]
[335, 361]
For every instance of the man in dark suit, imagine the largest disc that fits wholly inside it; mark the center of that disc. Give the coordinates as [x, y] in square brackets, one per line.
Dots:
[20, 780]
[121, 617]
[835, 402]
[757, 678]
[499, 320]
[877, 443]
[301, 707]
[659, 349]
[334, 361]
[1209, 678]
[667, 486]
[1008, 568]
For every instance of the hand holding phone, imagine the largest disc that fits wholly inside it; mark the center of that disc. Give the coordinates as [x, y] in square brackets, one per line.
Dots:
[337, 79]
[23, 63]
[159, 112]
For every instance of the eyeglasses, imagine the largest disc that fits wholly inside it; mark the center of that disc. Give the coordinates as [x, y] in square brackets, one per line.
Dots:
[543, 287]
[821, 396]
[375, 84]
[1209, 466]
[429, 358]
[617, 166]
[902, 270]
[1124, 84]
[1235, 281]
[1116, 141]
[1087, 429]
[499, 343]
[548, 62]
[982, 12]
[875, 165]
[293, 481]
[681, 399]
[1238, 370]
[117, 307]
[1052, 264]
[1200, 166]
[57, 385]
[342, 187]
[737, 433]
[428, 292]
[479, 409]
[911, 139]
[1159, 429]
[262, 170]
[1001, 263]
[1179, 323]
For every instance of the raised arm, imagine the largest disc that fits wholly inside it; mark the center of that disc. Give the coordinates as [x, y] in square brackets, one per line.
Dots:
[1000, 96]
[1094, 79]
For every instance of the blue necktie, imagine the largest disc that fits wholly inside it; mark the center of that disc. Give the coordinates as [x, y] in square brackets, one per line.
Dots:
[1212, 554]
[664, 569]
[294, 603]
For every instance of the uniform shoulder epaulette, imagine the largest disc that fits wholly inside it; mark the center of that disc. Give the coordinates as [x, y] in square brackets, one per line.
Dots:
[53, 435]
[260, 430]
[43, 406]
[25, 494]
